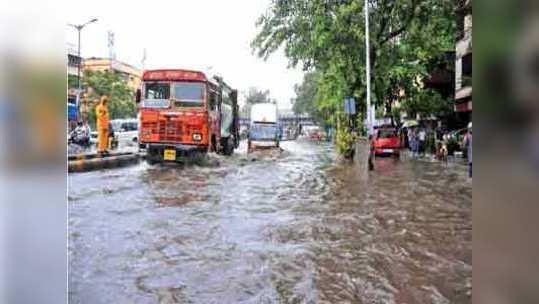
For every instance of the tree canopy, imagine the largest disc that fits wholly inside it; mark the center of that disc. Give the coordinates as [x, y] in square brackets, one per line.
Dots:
[328, 37]
[305, 94]
[255, 95]
[121, 97]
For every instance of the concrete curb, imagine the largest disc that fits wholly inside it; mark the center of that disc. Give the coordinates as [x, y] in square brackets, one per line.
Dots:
[89, 162]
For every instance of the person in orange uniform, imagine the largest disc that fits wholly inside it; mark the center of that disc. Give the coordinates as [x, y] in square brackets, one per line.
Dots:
[102, 123]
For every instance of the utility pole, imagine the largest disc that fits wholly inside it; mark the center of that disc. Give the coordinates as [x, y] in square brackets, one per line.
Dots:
[370, 109]
[79, 28]
[143, 61]
[112, 55]
[368, 69]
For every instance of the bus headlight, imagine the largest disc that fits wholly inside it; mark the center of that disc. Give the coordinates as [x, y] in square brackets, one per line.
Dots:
[197, 137]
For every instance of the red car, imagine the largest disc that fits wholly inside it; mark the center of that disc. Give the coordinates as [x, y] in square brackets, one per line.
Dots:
[316, 135]
[387, 142]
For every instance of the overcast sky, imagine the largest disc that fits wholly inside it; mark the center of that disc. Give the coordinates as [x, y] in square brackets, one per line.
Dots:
[185, 34]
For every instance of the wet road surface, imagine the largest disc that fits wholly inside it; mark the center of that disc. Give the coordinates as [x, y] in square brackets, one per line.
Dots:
[299, 228]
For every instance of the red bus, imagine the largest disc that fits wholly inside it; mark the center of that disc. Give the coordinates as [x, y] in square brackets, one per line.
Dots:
[183, 113]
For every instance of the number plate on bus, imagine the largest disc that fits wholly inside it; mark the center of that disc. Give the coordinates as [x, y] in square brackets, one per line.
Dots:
[169, 154]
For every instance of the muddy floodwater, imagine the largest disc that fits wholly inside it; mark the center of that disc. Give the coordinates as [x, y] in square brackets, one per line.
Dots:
[294, 228]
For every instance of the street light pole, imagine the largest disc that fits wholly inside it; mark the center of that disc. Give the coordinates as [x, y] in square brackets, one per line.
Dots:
[368, 69]
[78, 65]
[79, 28]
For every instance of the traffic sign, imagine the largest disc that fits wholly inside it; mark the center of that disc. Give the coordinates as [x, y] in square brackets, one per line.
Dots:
[350, 105]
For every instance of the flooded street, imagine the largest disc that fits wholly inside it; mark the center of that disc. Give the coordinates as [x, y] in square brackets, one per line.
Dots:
[298, 228]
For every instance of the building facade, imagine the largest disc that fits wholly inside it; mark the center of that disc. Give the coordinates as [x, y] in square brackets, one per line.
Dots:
[130, 73]
[463, 62]
[73, 61]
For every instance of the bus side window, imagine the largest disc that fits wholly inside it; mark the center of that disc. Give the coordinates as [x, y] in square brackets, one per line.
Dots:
[213, 101]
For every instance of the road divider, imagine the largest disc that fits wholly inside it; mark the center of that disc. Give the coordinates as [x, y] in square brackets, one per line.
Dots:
[92, 161]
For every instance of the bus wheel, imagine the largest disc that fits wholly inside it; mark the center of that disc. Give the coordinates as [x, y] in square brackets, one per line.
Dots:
[213, 145]
[151, 157]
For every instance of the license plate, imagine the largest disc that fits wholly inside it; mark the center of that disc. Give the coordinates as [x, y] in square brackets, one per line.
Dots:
[388, 150]
[169, 154]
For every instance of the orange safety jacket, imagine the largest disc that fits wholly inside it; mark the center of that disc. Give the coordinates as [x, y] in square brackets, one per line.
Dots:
[102, 116]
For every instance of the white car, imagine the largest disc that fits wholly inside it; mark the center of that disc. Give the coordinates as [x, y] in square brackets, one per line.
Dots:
[93, 137]
[125, 129]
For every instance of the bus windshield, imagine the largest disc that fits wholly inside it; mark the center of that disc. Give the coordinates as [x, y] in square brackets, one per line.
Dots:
[156, 95]
[263, 131]
[188, 94]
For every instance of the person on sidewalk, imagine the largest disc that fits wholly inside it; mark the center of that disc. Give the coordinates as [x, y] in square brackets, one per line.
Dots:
[422, 137]
[467, 143]
[414, 143]
[410, 140]
[102, 123]
[444, 152]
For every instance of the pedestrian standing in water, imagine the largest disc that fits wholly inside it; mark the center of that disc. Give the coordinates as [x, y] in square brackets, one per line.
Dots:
[467, 143]
[403, 137]
[102, 124]
[415, 143]
[410, 140]
[422, 138]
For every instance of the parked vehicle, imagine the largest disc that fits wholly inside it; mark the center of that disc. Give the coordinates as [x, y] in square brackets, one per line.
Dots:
[310, 131]
[125, 129]
[316, 134]
[113, 138]
[93, 137]
[454, 141]
[80, 135]
[288, 134]
[182, 113]
[264, 129]
[387, 141]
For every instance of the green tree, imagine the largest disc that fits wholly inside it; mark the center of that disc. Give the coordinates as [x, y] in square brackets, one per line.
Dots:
[72, 81]
[329, 36]
[304, 102]
[121, 97]
[254, 95]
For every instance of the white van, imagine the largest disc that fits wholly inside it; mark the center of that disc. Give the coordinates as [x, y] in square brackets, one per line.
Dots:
[125, 130]
[264, 129]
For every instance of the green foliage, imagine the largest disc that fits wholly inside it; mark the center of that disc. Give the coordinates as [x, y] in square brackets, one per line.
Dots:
[305, 95]
[426, 101]
[255, 96]
[72, 81]
[396, 115]
[121, 97]
[344, 138]
[327, 37]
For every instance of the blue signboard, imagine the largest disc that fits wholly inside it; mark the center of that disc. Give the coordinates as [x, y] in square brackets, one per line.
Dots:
[350, 105]
[72, 111]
